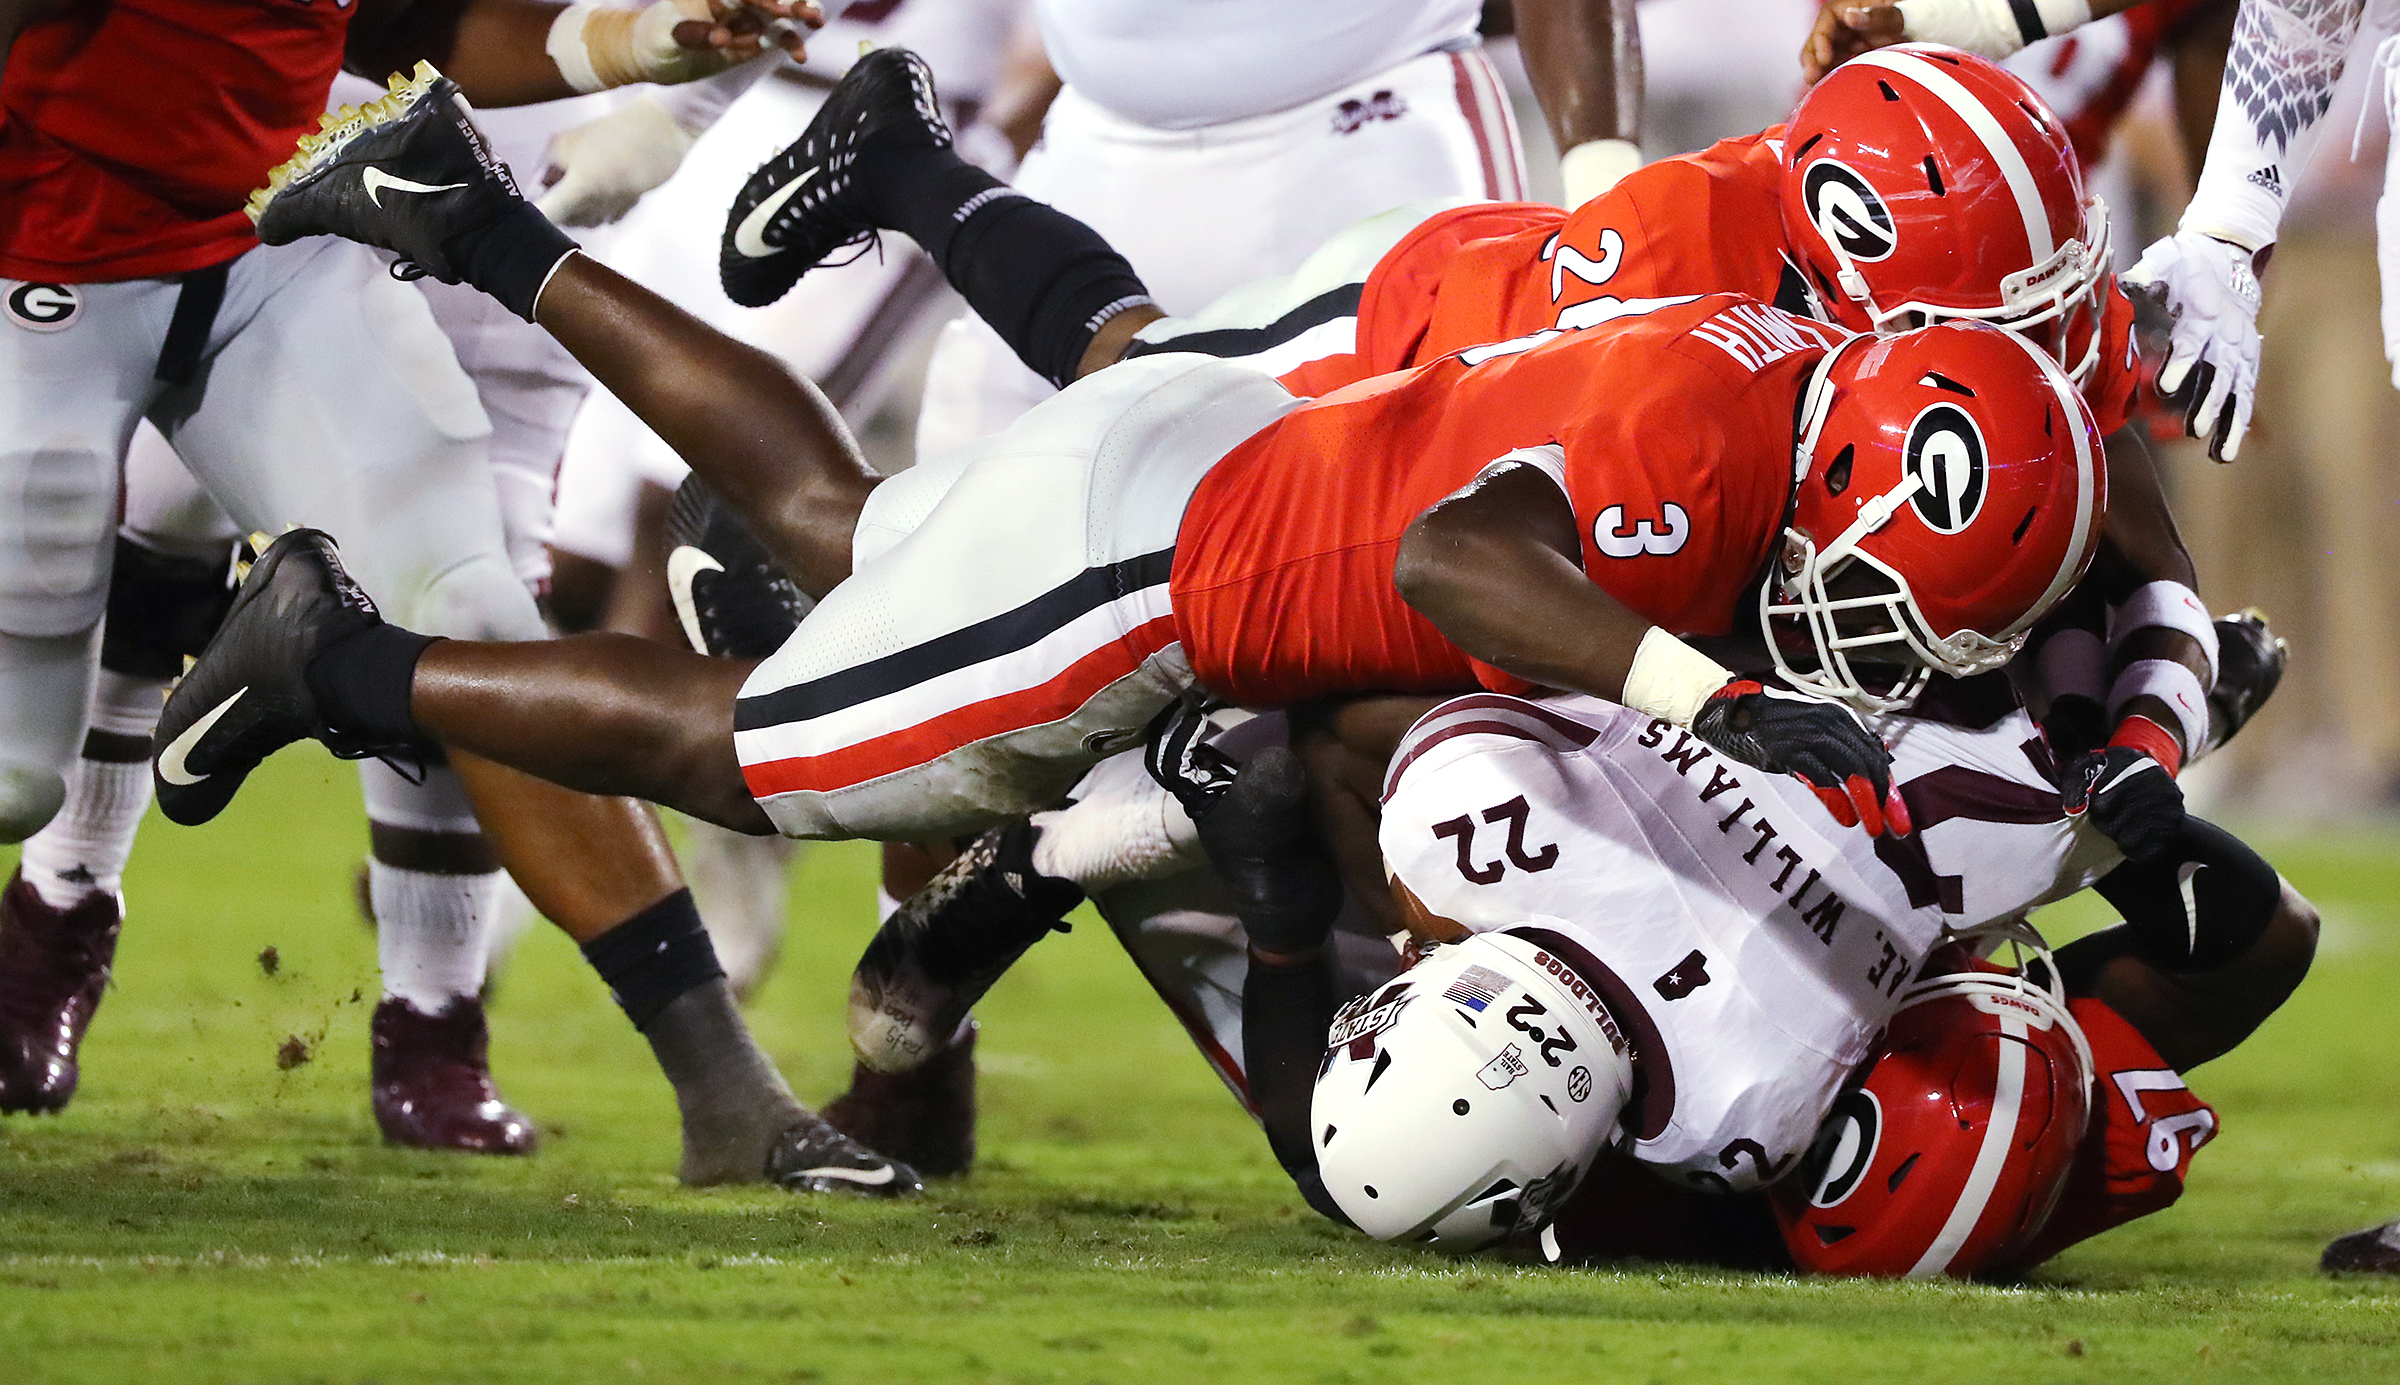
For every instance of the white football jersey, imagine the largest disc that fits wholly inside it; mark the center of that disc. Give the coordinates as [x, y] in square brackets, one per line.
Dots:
[1752, 945]
[1180, 65]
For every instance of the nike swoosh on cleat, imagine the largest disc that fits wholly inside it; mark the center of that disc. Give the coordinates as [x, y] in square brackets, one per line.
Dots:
[748, 236]
[684, 564]
[375, 180]
[170, 760]
[872, 1178]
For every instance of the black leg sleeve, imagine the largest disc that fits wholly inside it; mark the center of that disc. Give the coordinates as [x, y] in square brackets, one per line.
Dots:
[1285, 1013]
[1044, 281]
[2199, 906]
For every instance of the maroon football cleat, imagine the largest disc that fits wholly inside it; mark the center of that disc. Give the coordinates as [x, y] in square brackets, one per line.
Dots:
[53, 967]
[2375, 1250]
[432, 1081]
[925, 1116]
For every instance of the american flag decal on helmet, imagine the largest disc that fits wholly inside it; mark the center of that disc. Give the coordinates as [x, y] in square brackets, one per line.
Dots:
[1476, 987]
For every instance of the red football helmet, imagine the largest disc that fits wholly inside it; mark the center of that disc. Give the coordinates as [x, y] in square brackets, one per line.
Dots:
[1922, 183]
[1950, 1153]
[1950, 487]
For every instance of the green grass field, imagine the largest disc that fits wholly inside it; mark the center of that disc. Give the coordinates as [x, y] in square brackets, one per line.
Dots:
[203, 1213]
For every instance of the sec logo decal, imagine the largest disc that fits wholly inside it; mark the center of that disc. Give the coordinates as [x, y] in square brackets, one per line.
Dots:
[43, 307]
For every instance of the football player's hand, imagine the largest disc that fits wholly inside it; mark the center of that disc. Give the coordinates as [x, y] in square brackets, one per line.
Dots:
[600, 168]
[1823, 744]
[674, 40]
[1843, 31]
[2129, 796]
[603, 166]
[2211, 291]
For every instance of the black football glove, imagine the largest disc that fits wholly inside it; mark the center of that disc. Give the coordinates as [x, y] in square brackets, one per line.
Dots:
[2131, 798]
[1822, 744]
[1177, 754]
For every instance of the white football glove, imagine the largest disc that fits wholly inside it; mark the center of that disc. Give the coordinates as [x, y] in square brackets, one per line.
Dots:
[604, 166]
[2212, 293]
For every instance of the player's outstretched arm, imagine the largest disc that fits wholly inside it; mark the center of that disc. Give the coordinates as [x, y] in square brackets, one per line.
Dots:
[1496, 568]
[1991, 28]
[2213, 942]
[1584, 58]
[516, 52]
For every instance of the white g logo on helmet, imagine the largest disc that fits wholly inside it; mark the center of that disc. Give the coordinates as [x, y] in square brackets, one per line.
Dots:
[1464, 1101]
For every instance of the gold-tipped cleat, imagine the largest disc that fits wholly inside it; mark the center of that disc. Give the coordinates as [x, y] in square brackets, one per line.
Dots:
[337, 128]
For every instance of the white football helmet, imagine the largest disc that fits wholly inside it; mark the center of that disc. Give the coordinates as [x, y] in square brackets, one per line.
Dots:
[1464, 1101]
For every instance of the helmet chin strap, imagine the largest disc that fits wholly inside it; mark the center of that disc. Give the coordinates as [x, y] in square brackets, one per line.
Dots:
[1872, 516]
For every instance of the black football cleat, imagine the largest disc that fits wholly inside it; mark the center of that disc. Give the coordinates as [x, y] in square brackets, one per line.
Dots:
[2375, 1250]
[925, 1116]
[430, 1080]
[407, 172]
[248, 696]
[810, 200]
[54, 966]
[2250, 659]
[813, 1157]
[731, 598]
[941, 950]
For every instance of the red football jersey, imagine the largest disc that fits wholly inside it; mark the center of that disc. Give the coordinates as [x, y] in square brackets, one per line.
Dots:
[1676, 431]
[135, 130]
[2146, 1126]
[1710, 222]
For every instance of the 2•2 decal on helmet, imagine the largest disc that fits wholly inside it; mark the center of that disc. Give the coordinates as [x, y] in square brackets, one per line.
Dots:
[1945, 453]
[1848, 210]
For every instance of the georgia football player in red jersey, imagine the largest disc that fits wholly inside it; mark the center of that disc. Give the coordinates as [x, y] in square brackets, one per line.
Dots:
[1913, 185]
[304, 385]
[1551, 512]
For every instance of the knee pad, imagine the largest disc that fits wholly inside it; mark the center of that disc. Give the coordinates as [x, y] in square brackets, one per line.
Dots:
[479, 599]
[435, 803]
[162, 607]
[54, 539]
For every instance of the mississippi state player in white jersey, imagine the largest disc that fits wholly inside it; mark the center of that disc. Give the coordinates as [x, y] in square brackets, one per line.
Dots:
[1762, 944]
[1747, 948]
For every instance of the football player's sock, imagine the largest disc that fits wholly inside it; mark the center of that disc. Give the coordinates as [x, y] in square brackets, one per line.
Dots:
[84, 849]
[661, 968]
[511, 257]
[430, 932]
[362, 682]
[1043, 280]
[654, 957]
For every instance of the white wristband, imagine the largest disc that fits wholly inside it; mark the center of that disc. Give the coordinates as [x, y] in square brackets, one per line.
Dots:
[1988, 28]
[1670, 679]
[2167, 606]
[2172, 683]
[1594, 166]
[567, 48]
